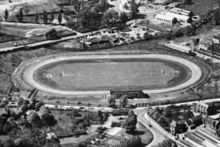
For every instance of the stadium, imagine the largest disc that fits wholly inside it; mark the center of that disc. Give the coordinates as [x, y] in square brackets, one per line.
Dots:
[71, 74]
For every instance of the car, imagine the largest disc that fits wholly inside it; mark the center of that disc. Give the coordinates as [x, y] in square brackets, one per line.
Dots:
[82, 108]
[121, 118]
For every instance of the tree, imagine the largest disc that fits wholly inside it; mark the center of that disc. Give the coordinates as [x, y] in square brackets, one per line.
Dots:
[178, 33]
[60, 17]
[168, 35]
[45, 17]
[189, 31]
[52, 17]
[7, 128]
[20, 16]
[110, 19]
[124, 100]
[112, 101]
[20, 102]
[187, 1]
[44, 110]
[103, 5]
[32, 137]
[134, 9]
[38, 105]
[8, 143]
[36, 17]
[33, 118]
[216, 17]
[49, 119]
[167, 143]
[123, 17]
[148, 36]
[6, 14]
[130, 122]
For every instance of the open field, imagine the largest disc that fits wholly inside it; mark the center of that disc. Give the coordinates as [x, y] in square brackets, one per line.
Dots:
[135, 74]
[201, 7]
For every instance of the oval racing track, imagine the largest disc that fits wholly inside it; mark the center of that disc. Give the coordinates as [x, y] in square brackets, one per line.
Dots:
[27, 73]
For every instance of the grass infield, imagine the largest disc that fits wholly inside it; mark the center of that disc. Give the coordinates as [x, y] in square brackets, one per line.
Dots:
[112, 74]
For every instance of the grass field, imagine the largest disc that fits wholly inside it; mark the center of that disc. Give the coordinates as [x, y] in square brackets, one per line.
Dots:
[111, 74]
[201, 7]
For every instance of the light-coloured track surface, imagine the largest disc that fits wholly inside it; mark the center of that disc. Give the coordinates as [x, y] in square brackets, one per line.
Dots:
[29, 71]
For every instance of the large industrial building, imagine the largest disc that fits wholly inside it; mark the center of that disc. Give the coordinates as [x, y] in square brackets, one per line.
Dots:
[171, 17]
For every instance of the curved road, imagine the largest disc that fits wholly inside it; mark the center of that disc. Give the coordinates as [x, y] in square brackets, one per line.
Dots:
[158, 137]
[36, 64]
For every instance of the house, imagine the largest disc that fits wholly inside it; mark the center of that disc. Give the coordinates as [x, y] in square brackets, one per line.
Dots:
[51, 136]
[211, 125]
[194, 121]
[214, 48]
[203, 46]
[177, 127]
[203, 108]
[216, 39]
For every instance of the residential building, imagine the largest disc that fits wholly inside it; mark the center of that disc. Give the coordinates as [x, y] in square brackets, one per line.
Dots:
[216, 39]
[203, 108]
[211, 123]
[214, 48]
[177, 127]
[194, 121]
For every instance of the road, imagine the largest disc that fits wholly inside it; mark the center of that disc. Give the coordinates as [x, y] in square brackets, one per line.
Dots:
[158, 132]
[46, 42]
[157, 136]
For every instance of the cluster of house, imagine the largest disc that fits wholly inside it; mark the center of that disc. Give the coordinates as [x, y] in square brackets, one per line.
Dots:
[207, 123]
[204, 110]
[113, 37]
[174, 15]
[210, 50]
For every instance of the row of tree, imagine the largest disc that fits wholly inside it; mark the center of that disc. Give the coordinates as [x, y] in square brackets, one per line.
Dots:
[46, 19]
[167, 143]
[38, 16]
[19, 16]
[123, 101]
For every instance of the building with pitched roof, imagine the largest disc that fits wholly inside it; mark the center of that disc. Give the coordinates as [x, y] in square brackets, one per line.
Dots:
[180, 11]
[177, 127]
[194, 121]
[203, 108]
